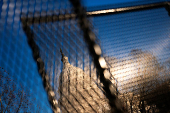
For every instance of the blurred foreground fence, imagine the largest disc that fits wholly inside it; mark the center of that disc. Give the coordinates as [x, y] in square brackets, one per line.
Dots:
[109, 59]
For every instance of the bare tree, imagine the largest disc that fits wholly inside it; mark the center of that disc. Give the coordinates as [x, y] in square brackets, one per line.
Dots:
[131, 102]
[166, 70]
[148, 71]
[160, 95]
[144, 84]
[137, 76]
[13, 99]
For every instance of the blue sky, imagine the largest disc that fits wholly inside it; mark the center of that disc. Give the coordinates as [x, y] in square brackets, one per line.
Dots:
[147, 30]
[92, 3]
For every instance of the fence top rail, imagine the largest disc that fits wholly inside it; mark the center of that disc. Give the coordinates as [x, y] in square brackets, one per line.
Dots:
[60, 17]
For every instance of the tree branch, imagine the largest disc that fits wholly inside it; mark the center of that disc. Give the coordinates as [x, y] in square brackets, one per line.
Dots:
[1, 105]
[21, 100]
[10, 100]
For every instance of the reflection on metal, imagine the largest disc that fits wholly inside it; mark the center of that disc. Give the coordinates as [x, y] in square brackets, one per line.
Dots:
[107, 74]
[102, 62]
[97, 49]
[128, 9]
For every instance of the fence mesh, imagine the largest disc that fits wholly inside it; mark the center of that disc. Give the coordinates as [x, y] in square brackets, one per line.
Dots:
[136, 45]
[42, 48]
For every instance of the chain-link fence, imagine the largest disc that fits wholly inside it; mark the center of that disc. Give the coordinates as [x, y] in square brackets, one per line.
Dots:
[109, 59]
[135, 42]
